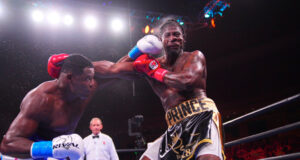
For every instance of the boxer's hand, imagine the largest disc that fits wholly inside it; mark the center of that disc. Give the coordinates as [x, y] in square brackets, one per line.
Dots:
[65, 146]
[150, 66]
[149, 44]
[70, 146]
[54, 64]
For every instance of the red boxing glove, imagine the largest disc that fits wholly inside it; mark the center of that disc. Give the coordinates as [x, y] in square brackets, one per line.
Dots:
[150, 66]
[54, 64]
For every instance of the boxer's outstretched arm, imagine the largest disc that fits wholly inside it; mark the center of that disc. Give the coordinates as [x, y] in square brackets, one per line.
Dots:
[190, 75]
[16, 141]
[126, 58]
[107, 69]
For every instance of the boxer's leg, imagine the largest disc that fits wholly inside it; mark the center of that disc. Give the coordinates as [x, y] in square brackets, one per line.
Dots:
[208, 157]
[211, 151]
[152, 152]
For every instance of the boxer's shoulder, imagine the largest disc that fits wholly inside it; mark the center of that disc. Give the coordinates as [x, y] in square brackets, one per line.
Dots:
[193, 53]
[38, 98]
[44, 90]
[47, 89]
[194, 56]
[198, 53]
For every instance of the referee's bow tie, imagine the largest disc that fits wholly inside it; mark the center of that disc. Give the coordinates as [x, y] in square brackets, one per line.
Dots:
[96, 136]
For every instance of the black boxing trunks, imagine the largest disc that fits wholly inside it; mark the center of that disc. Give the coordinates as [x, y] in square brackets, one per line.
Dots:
[189, 126]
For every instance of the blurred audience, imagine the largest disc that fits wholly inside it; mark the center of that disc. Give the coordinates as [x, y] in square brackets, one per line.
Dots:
[261, 149]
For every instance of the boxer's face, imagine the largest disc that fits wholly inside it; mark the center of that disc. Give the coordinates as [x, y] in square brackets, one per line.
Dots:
[172, 39]
[96, 126]
[82, 84]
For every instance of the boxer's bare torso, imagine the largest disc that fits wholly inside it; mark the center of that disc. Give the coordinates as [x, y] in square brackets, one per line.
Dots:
[51, 110]
[186, 76]
[180, 86]
[47, 111]
[56, 114]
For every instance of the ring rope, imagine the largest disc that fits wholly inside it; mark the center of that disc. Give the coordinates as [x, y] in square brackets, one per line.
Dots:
[284, 157]
[242, 140]
[262, 110]
[255, 136]
[131, 150]
[264, 134]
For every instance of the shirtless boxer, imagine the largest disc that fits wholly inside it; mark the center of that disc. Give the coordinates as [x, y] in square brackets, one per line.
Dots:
[179, 79]
[50, 112]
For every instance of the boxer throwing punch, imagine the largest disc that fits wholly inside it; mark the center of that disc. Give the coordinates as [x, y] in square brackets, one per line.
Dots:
[179, 79]
[50, 112]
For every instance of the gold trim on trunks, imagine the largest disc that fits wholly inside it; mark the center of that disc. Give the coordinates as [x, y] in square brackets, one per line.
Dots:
[195, 106]
[189, 108]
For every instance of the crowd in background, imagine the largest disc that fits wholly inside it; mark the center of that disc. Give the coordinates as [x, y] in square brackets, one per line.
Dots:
[269, 147]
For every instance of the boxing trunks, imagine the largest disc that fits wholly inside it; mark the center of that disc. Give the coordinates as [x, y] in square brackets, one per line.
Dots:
[189, 130]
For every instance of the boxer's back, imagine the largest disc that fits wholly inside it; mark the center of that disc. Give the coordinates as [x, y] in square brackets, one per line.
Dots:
[169, 96]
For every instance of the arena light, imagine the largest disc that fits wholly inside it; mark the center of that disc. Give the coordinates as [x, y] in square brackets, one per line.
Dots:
[117, 25]
[68, 20]
[90, 22]
[53, 18]
[147, 29]
[37, 16]
[152, 31]
[1, 9]
[206, 15]
[213, 23]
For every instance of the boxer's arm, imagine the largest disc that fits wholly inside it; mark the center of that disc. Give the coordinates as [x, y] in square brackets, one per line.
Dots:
[149, 44]
[126, 58]
[191, 74]
[107, 69]
[16, 141]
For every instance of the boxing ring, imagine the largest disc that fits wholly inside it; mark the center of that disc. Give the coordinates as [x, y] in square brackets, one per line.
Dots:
[271, 107]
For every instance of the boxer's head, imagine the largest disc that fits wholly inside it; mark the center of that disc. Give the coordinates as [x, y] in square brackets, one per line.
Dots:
[78, 72]
[96, 125]
[172, 35]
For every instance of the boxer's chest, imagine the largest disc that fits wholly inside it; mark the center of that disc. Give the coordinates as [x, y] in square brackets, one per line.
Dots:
[178, 66]
[64, 118]
[169, 95]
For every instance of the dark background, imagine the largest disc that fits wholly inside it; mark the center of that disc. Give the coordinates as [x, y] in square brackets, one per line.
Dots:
[252, 57]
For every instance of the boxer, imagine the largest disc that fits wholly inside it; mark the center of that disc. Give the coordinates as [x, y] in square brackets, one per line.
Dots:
[179, 79]
[50, 112]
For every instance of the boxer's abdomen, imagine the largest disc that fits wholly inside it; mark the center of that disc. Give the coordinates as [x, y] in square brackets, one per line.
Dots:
[170, 97]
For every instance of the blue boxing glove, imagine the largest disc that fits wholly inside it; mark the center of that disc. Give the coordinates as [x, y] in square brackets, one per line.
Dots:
[64, 146]
[149, 44]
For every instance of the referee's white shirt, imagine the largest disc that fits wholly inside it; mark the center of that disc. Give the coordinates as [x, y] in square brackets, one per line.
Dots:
[101, 148]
